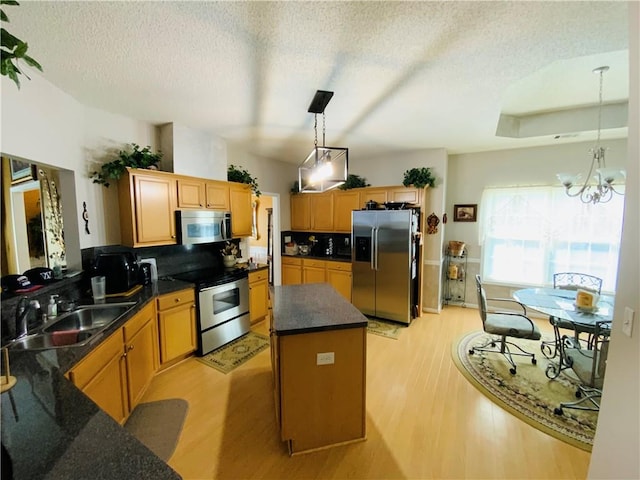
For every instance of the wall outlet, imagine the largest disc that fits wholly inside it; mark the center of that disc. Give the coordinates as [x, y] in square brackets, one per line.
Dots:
[287, 238]
[627, 322]
[326, 358]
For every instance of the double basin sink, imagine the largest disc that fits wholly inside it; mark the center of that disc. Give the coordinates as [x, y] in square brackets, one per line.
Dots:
[74, 329]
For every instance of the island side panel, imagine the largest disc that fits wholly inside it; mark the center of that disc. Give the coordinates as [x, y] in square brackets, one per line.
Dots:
[323, 405]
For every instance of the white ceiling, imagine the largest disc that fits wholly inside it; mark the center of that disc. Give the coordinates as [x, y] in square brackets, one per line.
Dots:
[406, 75]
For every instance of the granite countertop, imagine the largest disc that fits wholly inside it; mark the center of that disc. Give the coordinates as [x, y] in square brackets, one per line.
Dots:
[312, 307]
[57, 432]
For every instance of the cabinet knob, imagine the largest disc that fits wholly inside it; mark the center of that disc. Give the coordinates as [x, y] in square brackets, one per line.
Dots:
[177, 300]
[130, 348]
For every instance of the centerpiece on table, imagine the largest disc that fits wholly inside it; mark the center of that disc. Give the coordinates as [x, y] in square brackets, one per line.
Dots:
[229, 254]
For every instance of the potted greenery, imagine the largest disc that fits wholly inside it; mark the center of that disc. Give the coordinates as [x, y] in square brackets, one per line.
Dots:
[419, 177]
[240, 175]
[14, 49]
[354, 181]
[136, 158]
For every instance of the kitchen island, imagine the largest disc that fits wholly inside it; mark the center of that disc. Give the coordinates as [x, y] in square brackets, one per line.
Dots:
[318, 354]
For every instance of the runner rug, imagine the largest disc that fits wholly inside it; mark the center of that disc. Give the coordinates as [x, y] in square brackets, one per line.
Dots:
[384, 328]
[529, 395]
[235, 353]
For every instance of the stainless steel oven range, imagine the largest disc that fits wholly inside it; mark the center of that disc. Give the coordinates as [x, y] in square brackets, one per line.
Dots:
[223, 306]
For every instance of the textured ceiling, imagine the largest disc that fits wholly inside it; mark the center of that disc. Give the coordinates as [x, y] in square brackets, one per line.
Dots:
[406, 75]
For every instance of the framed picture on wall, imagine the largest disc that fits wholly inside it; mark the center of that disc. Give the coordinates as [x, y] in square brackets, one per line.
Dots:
[22, 171]
[465, 213]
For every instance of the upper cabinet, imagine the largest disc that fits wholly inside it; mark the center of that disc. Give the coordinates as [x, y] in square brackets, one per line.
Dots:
[148, 202]
[199, 193]
[321, 205]
[344, 202]
[241, 212]
[300, 212]
[217, 195]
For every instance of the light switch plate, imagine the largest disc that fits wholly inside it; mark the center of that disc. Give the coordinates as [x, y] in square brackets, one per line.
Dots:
[326, 358]
[627, 322]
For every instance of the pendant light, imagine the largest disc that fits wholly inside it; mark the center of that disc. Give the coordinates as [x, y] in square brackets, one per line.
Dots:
[325, 167]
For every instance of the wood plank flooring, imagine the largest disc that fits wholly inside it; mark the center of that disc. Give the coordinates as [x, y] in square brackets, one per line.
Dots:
[424, 419]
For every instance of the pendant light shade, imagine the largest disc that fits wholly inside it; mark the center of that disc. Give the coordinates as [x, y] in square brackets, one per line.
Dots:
[325, 167]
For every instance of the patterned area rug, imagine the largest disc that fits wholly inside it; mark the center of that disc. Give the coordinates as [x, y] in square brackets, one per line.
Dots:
[235, 353]
[529, 395]
[384, 328]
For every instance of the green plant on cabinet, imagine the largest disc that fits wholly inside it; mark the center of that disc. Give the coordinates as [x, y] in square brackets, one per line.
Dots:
[419, 177]
[133, 157]
[240, 175]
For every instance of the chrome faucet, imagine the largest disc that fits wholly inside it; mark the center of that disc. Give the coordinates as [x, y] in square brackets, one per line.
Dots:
[24, 307]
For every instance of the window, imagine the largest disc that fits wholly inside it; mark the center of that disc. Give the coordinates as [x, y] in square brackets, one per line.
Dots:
[529, 233]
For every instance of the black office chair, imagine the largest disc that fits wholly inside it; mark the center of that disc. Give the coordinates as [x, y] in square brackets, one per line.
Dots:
[569, 281]
[589, 366]
[504, 324]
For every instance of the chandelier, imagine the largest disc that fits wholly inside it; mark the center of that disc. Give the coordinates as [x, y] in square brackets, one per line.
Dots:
[602, 191]
[325, 167]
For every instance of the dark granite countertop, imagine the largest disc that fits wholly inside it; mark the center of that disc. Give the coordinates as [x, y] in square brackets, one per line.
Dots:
[57, 432]
[312, 307]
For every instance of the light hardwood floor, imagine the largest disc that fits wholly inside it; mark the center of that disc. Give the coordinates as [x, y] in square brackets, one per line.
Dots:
[424, 419]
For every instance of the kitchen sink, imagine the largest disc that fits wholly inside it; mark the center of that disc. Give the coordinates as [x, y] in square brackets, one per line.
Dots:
[73, 329]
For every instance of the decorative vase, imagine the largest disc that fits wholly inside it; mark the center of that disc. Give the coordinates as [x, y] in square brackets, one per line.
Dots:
[229, 260]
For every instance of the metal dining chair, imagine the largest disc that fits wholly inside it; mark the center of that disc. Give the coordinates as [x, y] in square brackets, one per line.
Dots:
[569, 281]
[504, 324]
[589, 366]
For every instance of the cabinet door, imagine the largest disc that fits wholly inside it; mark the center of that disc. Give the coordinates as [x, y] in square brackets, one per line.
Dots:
[378, 195]
[191, 193]
[408, 195]
[300, 212]
[341, 281]
[321, 206]
[140, 361]
[291, 274]
[313, 271]
[155, 204]
[241, 214]
[177, 331]
[258, 292]
[343, 204]
[217, 194]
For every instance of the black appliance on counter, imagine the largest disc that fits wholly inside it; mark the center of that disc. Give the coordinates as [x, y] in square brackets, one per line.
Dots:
[222, 297]
[120, 269]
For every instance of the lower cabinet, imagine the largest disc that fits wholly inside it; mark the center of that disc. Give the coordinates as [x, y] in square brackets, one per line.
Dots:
[177, 326]
[339, 277]
[313, 271]
[296, 270]
[291, 270]
[258, 295]
[118, 371]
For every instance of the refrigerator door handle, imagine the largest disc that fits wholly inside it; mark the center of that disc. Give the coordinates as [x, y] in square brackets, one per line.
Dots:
[375, 249]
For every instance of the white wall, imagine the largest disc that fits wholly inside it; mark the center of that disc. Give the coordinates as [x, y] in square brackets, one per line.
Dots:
[617, 442]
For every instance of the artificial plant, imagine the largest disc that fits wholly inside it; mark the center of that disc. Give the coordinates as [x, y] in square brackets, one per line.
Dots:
[240, 175]
[133, 157]
[419, 177]
[354, 181]
[13, 49]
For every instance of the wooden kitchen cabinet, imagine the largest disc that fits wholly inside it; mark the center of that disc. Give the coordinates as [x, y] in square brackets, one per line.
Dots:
[406, 194]
[378, 195]
[338, 275]
[258, 295]
[300, 212]
[176, 326]
[291, 270]
[343, 204]
[313, 271]
[147, 202]
[217, 195]
[117, 372]
[191, 193]
[241, 211]
[321, 207]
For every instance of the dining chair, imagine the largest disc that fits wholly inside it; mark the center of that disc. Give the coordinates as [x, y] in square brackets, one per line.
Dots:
[569, 281]
[504, 324]
[589, 366]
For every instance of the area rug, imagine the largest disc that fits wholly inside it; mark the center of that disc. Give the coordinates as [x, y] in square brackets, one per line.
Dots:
[235, 353]
[529, 395]
[384, 328]
[158, 425]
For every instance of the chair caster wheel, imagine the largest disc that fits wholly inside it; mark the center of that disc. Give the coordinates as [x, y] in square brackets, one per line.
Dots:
[534, 361]
[557, 411]
[513, 371]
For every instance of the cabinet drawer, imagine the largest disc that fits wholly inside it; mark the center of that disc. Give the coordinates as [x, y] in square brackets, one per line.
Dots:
[258, 276]
[91, 365]
[177, 298]
[291, 261]
[341, 266]
[138, 321]
[313, 263]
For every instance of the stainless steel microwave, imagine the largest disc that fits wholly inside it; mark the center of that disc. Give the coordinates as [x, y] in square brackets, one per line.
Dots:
[203, 226]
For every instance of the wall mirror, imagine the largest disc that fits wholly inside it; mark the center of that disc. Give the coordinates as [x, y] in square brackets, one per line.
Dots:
[33, 230]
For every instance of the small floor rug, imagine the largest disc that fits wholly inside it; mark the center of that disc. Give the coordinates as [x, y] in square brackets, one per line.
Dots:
[529, 394]
[158, 425]
[384, 328]
[235, 353]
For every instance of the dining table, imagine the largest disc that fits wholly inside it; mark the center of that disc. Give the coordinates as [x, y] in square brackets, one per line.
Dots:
[560, 304]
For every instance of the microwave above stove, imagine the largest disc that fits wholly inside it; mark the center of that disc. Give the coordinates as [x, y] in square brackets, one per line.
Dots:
[203, 226]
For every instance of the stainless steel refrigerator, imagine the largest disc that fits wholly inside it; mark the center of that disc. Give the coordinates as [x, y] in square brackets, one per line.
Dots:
[385, 263]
